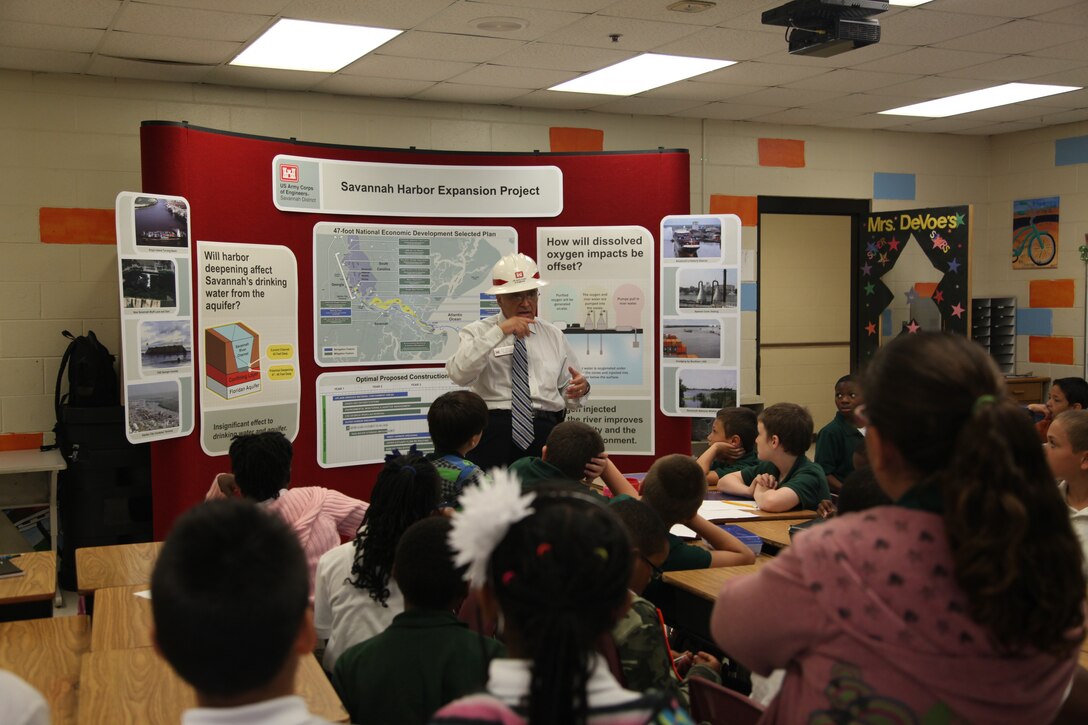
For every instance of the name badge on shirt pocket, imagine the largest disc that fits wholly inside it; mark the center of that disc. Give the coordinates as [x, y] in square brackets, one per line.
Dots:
[504, 350]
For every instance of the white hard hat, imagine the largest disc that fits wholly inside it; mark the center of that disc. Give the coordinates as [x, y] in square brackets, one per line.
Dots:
[514, 273]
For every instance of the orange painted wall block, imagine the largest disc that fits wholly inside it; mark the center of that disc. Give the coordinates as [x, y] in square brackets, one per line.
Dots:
[1052, 293]
[786, 152]
[76, 226]
[746, 207]
[1057, 350]
[576, 139]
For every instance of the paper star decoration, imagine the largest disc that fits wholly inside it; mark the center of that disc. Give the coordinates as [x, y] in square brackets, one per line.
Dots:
[893, 245]
[871, 328]
[913, 327]
[883, 258]
[911, 295]
[959, 220]
[953, 266]
[866, 269]
[870, 288]
[938, 296]
[871, 248]
[957, 311]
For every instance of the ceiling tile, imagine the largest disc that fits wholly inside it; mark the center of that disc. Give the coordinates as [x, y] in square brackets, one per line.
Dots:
[785, 97]
[862, 103]
[929, 27]
[1077, 50]
[284, 80]
[595, 31]
[942, 125]
[442, 46]
[460, 17]
[658, 10]
[999, 128]
[138, 46]
[562, 57]
[363, 86]
[509, 77]
[647, 106]
[929, 87]
[1016, 68]
[70, 13]
[1018, 36]
[930, 61]
[697, 90]
[190, 23]
[46, 61]
[400, 14]
[124, 68]
[1072, 99]
[845, 80]
[804, 116]
[561, 100]
[1073, 116]
[377, 65]
[1008, 8]
[757, 73]
[458, 93]
[728, 111]
[1075, 13]
[49, 37]
[725, 44]
[869, 120]
[258, 7]
[574, 6]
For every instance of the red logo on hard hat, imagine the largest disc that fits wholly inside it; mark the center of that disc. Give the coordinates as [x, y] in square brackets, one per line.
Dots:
[519, 274]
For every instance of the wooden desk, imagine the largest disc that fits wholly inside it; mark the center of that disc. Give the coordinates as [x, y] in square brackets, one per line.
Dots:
[46, 653]
[775, 532]
[29, 478]
[687, 603]
[27, 596]
[121, 620]
[137, 686]
[706, 583]
[100, 567]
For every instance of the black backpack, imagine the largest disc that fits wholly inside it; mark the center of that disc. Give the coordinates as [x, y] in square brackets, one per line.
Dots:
[92, 381]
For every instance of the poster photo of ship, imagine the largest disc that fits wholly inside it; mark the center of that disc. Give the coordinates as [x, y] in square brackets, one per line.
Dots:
[165, 345]
[161, 223]
[692, 238]
[153, 408]
[711, 290]
[690, 340]
[149, 284]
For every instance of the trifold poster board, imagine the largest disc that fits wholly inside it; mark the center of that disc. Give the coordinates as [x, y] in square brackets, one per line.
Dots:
[236, 188]
[155, 277]
[699, 347]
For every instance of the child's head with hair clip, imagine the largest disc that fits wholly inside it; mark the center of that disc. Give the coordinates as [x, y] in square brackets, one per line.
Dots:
[1067, 446]
[407, 490]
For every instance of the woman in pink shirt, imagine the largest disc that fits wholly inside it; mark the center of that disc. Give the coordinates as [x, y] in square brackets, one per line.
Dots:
[261, 465]
[962, 602]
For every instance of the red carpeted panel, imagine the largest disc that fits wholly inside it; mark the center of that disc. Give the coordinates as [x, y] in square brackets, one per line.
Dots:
[227, 179]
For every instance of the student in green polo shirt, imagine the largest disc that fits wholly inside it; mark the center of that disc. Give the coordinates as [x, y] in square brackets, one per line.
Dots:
[840, 439]
[574, 452]
[427, 657]
[784, 479]
[732, 442]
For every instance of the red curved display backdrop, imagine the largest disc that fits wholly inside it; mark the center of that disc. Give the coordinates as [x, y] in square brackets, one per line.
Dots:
[228, 181]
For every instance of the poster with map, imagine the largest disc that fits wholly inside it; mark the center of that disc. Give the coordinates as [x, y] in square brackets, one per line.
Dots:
[398, 294]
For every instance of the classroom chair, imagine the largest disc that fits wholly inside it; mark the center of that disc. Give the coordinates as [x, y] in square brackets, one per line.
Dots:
[715, 704]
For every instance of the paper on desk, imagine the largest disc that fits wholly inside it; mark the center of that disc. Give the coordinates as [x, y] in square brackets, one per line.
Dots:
[146, 594]
[716, 510]
[683, 532]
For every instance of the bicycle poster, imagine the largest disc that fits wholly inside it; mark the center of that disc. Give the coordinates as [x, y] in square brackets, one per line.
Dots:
[1035, 233]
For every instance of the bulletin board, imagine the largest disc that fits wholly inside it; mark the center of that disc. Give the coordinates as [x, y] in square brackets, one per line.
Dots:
[227, 181]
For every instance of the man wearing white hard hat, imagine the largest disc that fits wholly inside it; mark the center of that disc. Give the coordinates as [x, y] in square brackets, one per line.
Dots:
[522, 366]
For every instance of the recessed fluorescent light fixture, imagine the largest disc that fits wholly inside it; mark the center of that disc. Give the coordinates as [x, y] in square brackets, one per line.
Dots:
[306, 45]
[641, 73]
[978, 100]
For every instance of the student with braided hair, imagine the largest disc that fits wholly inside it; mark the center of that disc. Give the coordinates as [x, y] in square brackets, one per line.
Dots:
[555, 564]
[962, 602]
[355, 597]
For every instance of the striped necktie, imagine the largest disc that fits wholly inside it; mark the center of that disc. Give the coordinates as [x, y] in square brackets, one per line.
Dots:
[521, 405]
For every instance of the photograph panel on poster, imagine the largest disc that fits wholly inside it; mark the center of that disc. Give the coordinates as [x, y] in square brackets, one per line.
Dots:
[712, 290]
[165, 345]
[692, 238]
[161, 224]
[691, 340]
[149, 285]
[153, 408]
[701, 390]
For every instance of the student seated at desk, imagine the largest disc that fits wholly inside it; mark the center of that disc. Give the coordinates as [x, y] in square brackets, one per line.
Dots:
[261, 465]
[963, 602]
[555, 563]
[355, 597]
[21, 704]
[1067, 455]
[456, 423]
[675, 487]
[839, 439]
[732, 442]
[427, 657]
[574, 452]
[231, 607]
[784, 479]
[1065, 394]
[640, 640]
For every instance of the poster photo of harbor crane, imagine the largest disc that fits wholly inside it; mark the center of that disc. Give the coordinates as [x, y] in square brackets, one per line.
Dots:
[166, 345]
[692, 339]
[161, 222]
[713, 290]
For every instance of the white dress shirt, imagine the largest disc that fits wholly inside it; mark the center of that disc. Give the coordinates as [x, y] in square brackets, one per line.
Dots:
[483, 362]
[289, 710]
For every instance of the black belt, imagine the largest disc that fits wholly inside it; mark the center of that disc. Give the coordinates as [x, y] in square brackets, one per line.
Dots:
[552, 416]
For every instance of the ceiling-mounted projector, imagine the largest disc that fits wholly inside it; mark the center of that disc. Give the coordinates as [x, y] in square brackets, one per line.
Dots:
[827, 27]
